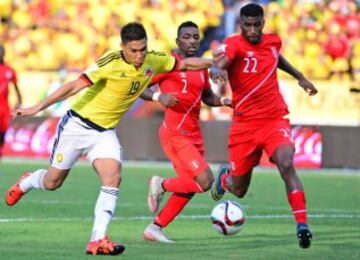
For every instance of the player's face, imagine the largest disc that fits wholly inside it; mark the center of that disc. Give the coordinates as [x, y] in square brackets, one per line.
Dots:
[135, 52]
[188, 41]
[251, 28]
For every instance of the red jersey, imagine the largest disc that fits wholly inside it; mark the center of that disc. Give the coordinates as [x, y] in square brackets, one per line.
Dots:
[253, 77]
[7, 75]
[188, 86]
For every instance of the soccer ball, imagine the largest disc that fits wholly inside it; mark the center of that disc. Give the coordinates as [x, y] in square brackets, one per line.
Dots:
[228, 217]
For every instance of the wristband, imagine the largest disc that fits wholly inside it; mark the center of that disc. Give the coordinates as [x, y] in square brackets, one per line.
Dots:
[155, 96]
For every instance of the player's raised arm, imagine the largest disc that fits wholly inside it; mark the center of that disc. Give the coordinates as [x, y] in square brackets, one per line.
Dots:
[194, 63]
[284, 65]
[67, 90]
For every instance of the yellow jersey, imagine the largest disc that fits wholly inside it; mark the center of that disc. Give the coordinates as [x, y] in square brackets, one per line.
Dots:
[117, 84]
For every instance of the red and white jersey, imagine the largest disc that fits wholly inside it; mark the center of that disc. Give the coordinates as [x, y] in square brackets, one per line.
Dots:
[253, 77]
[188, 86]
[7, 75]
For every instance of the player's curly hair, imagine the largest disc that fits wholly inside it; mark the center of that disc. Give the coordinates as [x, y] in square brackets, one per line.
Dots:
[252, 10]
[132, 32]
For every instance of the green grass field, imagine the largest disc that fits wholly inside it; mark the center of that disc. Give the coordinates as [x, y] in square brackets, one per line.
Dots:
[57, 225]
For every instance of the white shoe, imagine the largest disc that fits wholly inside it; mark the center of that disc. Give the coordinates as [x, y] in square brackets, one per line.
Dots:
[152, 233]
[156, 193]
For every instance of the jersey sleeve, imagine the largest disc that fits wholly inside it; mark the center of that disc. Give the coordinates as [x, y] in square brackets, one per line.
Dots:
[231, 48]
[158, 78]
[164, 62]
[99, 69]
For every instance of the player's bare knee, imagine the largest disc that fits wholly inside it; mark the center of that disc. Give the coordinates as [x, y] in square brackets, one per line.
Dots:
[240, 193]
[112, 179]
[205, 180]
[286, 166]
[206, 184]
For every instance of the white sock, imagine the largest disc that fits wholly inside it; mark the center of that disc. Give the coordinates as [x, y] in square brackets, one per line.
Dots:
[155, 227]
[104, 210]
[34, 181]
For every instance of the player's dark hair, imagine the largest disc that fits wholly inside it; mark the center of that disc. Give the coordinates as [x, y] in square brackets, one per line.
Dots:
[132, 32]
[252, 10]
[185, 25]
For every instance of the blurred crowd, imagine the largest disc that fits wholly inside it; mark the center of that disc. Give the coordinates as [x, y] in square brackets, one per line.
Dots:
[47, 35]
[321, 38]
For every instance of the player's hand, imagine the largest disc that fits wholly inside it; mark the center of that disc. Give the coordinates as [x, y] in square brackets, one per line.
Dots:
[29, 111]
[308, 86]
[218, 54]
[168, 99]
[217, 74]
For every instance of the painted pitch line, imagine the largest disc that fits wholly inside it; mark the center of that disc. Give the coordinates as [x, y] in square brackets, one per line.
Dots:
[143, 218]
[193, 205]
[168, 165]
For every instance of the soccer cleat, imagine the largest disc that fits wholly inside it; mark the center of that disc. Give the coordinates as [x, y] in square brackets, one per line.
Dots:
[156, 193]
[217, 192]
[304, 235]
[155, 234]
[14, 194]
[104, 247]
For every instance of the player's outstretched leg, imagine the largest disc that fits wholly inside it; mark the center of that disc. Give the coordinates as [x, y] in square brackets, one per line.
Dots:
[15, 193]
[304, 235]
[156, 193]
[104, 247]
[217, 189]
[154, 232]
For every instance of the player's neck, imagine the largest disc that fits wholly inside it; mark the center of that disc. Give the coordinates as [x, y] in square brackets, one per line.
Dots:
[124, 58]
[182, 54]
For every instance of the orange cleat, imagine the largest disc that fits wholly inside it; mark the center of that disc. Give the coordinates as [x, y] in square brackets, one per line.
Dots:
[104, 247]
[14, 194]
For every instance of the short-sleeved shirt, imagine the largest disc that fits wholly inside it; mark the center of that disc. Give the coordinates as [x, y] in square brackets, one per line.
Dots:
[116, 84]
[183, 119]
[7, 75]
[253, 77]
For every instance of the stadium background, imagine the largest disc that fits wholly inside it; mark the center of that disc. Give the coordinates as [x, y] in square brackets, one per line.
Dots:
[49, 42]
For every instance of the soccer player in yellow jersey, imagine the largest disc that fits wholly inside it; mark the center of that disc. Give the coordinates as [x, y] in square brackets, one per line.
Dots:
[113, 83]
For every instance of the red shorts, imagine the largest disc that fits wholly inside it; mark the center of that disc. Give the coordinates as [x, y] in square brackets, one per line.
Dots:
[186, 154]
[4, 119]
[247, 140]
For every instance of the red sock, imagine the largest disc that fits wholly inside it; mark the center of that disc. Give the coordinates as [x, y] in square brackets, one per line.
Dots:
[298, 204]
[223, 181]
[172, 208]
[181, 185]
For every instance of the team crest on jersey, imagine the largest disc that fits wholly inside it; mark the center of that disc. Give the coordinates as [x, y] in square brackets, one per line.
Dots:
[250, 54]
[59, 157]
[148, 72]
[195, 164]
